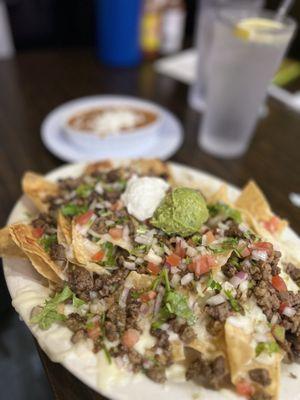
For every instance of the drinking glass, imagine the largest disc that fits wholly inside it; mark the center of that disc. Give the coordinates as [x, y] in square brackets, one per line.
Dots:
[207, 14]
[241, 69]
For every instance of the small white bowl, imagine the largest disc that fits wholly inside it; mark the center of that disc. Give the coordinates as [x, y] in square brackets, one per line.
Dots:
[140, 137]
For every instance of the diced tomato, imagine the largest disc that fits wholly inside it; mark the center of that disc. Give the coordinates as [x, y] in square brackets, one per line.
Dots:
[98, 256]
[272, 224]
[278, 283]
[116, 233]
[38, 232]
[245, 252]
[282, 307]
[209, 237]
[173, 260]
[94, 332]
[84, 218]
[130, 337]
[148, 296]
[201, 264]
[244, 388]
[266, 246]
[180, 250]
[154, 269]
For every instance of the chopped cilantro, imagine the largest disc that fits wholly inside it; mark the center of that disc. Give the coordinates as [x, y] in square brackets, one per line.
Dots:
[70, 210]
[84, 190]
[76, 302]
[197, 239]
[135, 295]
[212, 284]
[110, 251]
[227, 244]
[268, 347]
[49, 313]
[174, 303]
[233, 302]
[225, 211]
[47, 241]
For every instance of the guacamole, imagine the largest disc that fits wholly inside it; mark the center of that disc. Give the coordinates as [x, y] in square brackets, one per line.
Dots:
[181, 212]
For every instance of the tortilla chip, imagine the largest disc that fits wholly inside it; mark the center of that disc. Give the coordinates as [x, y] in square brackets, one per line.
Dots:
[64, 230]
[8, 247]
[37, 188]
[83, 248]
[139, 281]
[242, 359]
[254, 201]
[23, 238]
[221, 195]
[152, 167]
[104, 165]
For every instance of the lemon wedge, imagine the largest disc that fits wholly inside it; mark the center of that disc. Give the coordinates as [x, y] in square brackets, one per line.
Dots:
[258, 30]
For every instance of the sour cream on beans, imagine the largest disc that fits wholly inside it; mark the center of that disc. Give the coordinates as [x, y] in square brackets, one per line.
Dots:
[143, 195]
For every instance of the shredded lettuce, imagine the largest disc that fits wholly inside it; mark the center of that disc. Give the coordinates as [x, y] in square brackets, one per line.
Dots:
[84, 190]
[47, 241]
[70, 210]
[49, 314]
[174, 303]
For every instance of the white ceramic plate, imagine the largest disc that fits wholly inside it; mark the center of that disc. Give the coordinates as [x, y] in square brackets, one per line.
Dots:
[162, 146]
[24, 283]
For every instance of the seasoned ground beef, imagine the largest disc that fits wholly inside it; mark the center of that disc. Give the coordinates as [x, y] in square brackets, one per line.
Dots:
[162, 338]
[229, 270]
[57, 252]
[111, 332]
[233, 230]
[99, 225]
[156, 374]
[187, 334]
[79, 335]
[260, 395]
[261, 376]
[294, 272]
[213, 374]
[136, 360]
[75, 322]
[117, 316]
[45, 222]
[214, 327]
[69, 184]
[80, 280]
[266, 298]
[220, 312]
[114, 175]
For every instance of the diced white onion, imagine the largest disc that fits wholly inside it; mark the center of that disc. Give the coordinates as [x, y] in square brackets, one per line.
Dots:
[83, 229]
[129, 265]
[242, 228]
[274, 319]
[94, 234]
[216, 300]
[191, 251]
[167, 250]
[289, 311]
[139, 260]
[93, 294]
[175, 280]
[174, 270]
[238, 278]
[259, 255]
[187, 279]
[109, 222]
[164, 327]
[123, 297]
[126, 233]
[98, 188]
[152, 257]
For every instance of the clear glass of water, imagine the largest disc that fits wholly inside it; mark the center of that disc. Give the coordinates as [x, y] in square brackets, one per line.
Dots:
[245, 55]
[207, 14]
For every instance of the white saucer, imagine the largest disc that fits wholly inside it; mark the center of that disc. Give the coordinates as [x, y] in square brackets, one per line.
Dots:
[53, 137]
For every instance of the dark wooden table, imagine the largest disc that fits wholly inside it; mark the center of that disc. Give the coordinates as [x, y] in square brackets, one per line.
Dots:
[34, 83]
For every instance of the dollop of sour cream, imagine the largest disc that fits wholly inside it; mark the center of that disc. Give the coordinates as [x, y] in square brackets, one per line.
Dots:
[143, 195]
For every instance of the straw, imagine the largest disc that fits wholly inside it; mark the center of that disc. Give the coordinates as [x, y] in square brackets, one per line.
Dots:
[284, 9]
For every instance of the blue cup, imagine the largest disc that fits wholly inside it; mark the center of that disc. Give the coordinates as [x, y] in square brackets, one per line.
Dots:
[118, 32]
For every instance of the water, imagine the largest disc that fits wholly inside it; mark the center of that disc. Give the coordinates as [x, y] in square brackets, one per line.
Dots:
[240, 71]
[204, 38]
